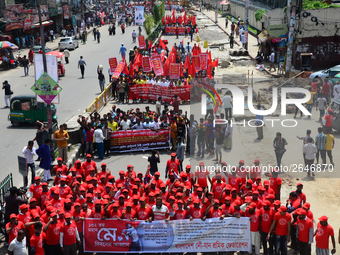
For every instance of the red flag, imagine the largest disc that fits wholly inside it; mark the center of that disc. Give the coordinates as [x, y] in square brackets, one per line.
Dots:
[131, 70]
[125, 70]
[186, 63]
[166, 67]
[161, 43]
[181, 70]
[214, 63]
[173, 19]
[209, 55]
[192, 70]
[150, 44]
[138, 60]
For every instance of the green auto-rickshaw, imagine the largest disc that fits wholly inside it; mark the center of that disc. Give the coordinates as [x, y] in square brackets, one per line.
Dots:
[27, 109]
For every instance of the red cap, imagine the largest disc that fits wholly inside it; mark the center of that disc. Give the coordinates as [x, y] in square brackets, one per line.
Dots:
[330, 110]
[228, 198]
[157, 173]
[188, 166]
[201, 164]
[68, 216]
[33, 200]
[44, 184]
[247, 199]
[121, 172]
[73, 169]
[162, 185]
[261, 188]
[241, 161]
[135, 197]
[89, 155]
[233, 189]
[271, 196]
[200, 189]
[129, 205]
[277, 202]
[63, 179]
[151, 194]
[256, 160]
[77, 162]
[252, 206]
[53, 214]
[255, 192]
[23, 206]
[68, 201]
[90, 186]
[134, 187]
[173, 154]
[196, 201]
[265, 182]
[98, 202]
[183, 174]
[121, 196]
[216, 201]
[12, 216]
[37, 178]
[299, 184]
[250, 181]
[125, 190]
[323, 218]
[88, 195]
[76, 204]
[142, 199]
[282, 208]
[306, 205]
[103, 164]
[266, 202]
[180, 201]
[35, 215]
[172, 198]
[129, 165]
[59, 159]
[302, 212]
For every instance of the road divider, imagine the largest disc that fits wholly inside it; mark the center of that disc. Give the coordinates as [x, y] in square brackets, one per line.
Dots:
[101, 100]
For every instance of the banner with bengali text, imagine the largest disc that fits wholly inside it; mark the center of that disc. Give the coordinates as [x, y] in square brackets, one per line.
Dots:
[204, 61]
[141, 42]
[174, 71]
[178, 236]
[152, 92]
[113, 64]
[118, 70]
[172, 30]
[196, 62]
[146, 64]
[157, 66]
[138, 140]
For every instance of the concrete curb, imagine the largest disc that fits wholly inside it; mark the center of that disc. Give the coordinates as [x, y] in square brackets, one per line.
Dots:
[75, 155]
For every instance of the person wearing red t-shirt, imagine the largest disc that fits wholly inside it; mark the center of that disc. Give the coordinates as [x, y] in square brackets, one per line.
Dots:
[144, 211]
[97, 211]
[326, 87]
[37, 240]
[129, 213]
[79, 169]
[60, 166]
[190, 175]
[255, 171]
[181, 212]
[64, 190]
[267, 189]
[79, 217]
[266, 220]
[172, 164]
[115, 213]
[56, 201]
[24, 216]
[33, 206]
[281, 223]
[304, 232]
[255, 199]
[322, 234]
[89, 164]
[306, 207]
[130, 171]
[44, 195]
[294, 202]
[121, 180]
[275, 183]
[35, 188]
[242, 172]
[226, 206]
[171, 180]
[213, 210]
[69, 236]
[196, 211]
[201, 175]
[300, 194]
[254, 216]
[13, 227]
[52, 230]
[234, 181]
[247, 189]
[218, 186]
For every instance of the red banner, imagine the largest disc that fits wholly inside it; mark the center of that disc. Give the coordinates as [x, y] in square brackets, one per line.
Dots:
[14, 25]
[172, 30]
[141, 42]
[204, 61]
[196, 62]
[66, 10]
[152, 92]
[12, 11]
[113, 64]
[146, 64]
[174, 71]
[118, 70]
[157, 66]
[138, 140]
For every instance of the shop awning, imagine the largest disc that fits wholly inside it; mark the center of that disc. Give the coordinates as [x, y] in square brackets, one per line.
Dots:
[225, 2]
[44, 23]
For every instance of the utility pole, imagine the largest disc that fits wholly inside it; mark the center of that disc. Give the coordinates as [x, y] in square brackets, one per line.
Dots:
[246, 24]
[216, 11]
[49, 111]
[290, 37]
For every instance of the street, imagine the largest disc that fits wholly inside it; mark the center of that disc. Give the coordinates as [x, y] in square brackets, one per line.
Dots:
[77, 93]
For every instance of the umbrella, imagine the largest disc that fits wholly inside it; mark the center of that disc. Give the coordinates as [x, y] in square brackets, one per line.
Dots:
[55, 53]
[6, 44]
[337, 75]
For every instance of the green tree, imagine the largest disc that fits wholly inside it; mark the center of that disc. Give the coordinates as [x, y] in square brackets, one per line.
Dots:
[149, 23]
[259, 13]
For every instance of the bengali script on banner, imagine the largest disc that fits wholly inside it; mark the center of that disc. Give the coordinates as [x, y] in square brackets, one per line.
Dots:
[174, 71]
[152, 92]
[137, 140]
[119, 70]
[146, 64]
[204, 61]
[141, 42]
[196, 62]
[125, 236]
[157, 66]
[113, 64]
[172, 30]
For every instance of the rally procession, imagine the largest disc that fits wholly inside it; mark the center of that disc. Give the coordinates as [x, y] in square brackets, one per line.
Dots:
[160, 127]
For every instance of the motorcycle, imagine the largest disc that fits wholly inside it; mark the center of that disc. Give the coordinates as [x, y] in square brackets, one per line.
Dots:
[20, 59]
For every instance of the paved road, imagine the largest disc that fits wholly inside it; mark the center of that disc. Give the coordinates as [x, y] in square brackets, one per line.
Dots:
[77, 93]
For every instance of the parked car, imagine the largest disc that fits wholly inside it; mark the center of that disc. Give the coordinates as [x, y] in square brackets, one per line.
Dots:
[36, 49]
[330, 73]
[69, 43]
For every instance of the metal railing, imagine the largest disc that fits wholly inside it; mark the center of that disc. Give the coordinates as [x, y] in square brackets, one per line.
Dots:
[5, 184]
[101, 100]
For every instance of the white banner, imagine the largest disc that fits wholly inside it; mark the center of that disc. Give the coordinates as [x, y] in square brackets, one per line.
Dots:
[52, 66]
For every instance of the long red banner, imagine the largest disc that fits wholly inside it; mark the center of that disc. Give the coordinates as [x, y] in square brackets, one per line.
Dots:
[157, 66]
[152, 92]
[172, 30]
[146, 64]
[138, 140]
[118, 70]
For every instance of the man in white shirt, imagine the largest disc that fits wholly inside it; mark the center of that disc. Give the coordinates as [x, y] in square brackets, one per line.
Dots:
[164, 83]
[147, 124]
[155, 125]
[227, 105]
[110, 74]
[309, 150]
[138, 125]
[125, 124]
[336, 91]
[160, 211]
[18, 245]
[29, 153]
[272, 61]
[51, 34]
[99, 141]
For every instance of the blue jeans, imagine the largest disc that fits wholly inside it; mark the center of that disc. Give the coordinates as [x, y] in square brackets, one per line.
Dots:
[100, 150]
[200, 145]
[328, 98]
[88, 147]
[280, 245]
[102, 85]
[309, 108]
[278, 158]
[26, 68]
[32, 167]
[267, 250]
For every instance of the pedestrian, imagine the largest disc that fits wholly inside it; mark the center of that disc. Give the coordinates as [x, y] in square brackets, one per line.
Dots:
[99, 141]
[107, 131]
[304, 232]
[122, 51]
[52, 34]
[81, 64]
[266, 220]
[219, 136]
[328, 121]
[231, 40]
[336, 91]
[154, 161]
[18, 245]
[52, 230]
[326, 89]
[67, 55]
[226, 22]
[227, 105]
[113, 29]
[309, 150]
[94, 33]
[134, 36]
[210, 108]
[123, 28]
[180, 151]
[69, 236]
[84, 37]
[101, 79]
[279, 144]
[98, 36]
[201, 134]
[322, 234]
[329, 146]
[45, 163]
[320, 141]
[8, 93]
[272, 61]
[121, 91]
[139, 30]
[110, 74]
[321, 105]
[29, 153]
[305, 140]
[310, 102]
[173, 135]
[25, 64]
[259, 123]
[61, 136]
[191, 33]
[228, 140]
[177, 31]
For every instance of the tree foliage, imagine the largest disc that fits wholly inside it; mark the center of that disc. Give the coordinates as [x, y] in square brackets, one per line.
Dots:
[259, 13]
[312, 5]
[149, 23]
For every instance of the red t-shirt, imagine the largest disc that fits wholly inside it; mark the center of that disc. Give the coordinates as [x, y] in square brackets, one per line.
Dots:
[201, 175]
[329, 121]
[144, 213]
[234, 182]
[181, 214]
[322, 236]
[304, 226]
[196, 213]
[267, 219]
[53, 234]
[79, 171]
[115, 215]
[64, 191]
[214, 213]
[80, 222]
[225, 209]
[173, 165]
[57, 204]
[38, 242]
[325, 89]
[14, 232]
[255, 220]
[86, 166]
[24, 218]
[69, 233]
[302, 197]
[36, 190]
[213, 180]
[274, 184]
[97, 215]
[63, 168]
[129, 215]
[218, 187]
[281, 226]
[43, 197]
[296, 203]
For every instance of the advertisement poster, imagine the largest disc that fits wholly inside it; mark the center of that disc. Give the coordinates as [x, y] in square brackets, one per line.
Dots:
[174, 71]
[139, 140]
[178, 236]
[146, 64]
[113, 64]
[139, 15]
[141, 42]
